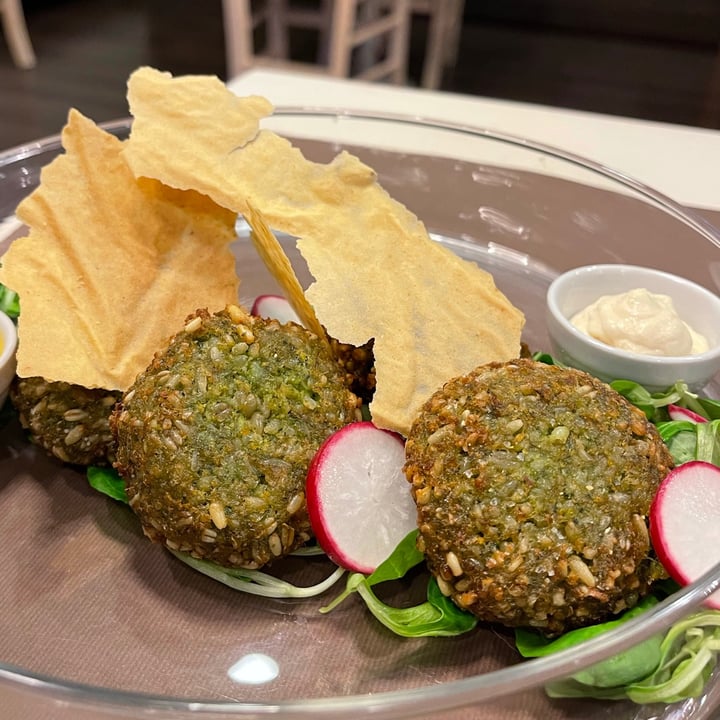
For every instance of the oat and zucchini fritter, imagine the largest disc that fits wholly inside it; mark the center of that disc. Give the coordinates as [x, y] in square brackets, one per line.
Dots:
[70, 422]
[533, 485]
[215, 437]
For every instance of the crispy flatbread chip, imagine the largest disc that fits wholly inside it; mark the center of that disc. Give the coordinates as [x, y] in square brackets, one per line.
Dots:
[376, 272]
[111, 266]
[272, 254]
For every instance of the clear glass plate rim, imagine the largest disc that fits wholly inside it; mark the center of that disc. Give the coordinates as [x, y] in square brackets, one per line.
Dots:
[435, 698]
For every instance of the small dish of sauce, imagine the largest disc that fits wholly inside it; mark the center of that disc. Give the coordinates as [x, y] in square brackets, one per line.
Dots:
[635, 323]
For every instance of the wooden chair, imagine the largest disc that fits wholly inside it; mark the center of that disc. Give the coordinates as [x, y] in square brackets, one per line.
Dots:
[351, 36]
[16, 34]
[346, 29]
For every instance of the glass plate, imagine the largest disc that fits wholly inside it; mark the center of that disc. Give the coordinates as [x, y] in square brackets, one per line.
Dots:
[99, 623]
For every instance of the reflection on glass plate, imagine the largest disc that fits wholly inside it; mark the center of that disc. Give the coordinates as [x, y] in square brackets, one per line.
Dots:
[99, 623]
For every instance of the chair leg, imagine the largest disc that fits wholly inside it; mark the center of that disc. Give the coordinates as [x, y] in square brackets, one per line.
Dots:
[452, 32]
[343, 22]
[276, 24]
[445, 23]
[326, 19]
[238, 23]
[400, 41]
[368, 52]
[15, 30]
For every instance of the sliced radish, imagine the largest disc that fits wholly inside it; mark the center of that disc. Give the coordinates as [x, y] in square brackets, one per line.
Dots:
[685, 523]
[358, 499]
[680, 413]
[275, 307]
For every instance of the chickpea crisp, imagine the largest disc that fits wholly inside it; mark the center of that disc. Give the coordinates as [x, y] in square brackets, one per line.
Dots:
[377, 274]
[111, 265]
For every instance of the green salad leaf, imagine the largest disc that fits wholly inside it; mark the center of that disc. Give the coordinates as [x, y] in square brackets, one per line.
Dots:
[438, 616]
[665, 668]
[108, 482]
[654, 405]
[627, 667]
[687, 440]
[405, 557]
[547, 359]
[683, 660]
[688, 656]
[9, 302]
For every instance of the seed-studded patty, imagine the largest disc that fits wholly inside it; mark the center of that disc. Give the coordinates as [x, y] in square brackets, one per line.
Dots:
[214, 439]
[70, 422]
[533, 485]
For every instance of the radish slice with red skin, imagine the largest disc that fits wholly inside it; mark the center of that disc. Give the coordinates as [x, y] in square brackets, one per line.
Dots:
[680, 413]
[358, 499]
[275, 307]
[685, 523]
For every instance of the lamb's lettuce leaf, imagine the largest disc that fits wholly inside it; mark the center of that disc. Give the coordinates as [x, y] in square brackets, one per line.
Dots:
[438, 616]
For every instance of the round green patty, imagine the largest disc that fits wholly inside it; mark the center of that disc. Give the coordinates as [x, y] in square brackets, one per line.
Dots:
[70, 422]
[214, 439]
[533, 485]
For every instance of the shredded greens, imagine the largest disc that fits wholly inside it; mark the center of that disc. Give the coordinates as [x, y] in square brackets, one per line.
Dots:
[256, 582]
[662, 669]
[654, 405]
[688, 655]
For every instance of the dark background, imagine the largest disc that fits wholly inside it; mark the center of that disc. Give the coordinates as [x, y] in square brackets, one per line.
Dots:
[650, 59]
